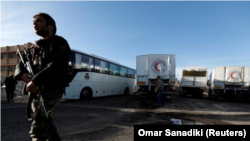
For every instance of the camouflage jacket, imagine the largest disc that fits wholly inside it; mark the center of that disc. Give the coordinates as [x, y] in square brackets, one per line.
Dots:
[50, 59]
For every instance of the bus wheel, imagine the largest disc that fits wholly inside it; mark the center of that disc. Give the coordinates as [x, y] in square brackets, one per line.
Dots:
[86, 94]
[126, 92]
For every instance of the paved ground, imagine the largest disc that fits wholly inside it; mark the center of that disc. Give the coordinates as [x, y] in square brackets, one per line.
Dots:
[112, 118]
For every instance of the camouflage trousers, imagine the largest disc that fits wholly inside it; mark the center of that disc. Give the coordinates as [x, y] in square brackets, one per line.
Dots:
[42, 127]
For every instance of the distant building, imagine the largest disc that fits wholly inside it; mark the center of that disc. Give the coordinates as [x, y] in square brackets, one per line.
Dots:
[9, 60]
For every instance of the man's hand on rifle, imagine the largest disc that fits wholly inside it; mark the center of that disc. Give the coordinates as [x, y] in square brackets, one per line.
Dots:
[31, 87]
[26, 78]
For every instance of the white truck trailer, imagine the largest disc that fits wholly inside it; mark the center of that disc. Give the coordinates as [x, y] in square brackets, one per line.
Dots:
[229, 82]
[193, 80]
[148, 67]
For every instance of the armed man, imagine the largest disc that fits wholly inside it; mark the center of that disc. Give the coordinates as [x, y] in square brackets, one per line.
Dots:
[49, 57]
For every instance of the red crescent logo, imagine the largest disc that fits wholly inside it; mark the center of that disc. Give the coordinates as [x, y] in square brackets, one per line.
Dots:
[232, 75]
[156, 66]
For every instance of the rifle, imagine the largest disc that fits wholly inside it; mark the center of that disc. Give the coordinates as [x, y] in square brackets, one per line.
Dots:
[27, 64]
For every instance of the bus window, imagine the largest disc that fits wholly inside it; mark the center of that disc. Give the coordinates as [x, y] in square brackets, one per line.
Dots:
[72, 59]
[104, 67]
[111, 69]
[130, 73]
[87, 63]
[134, 74]
[117, 70]
[91, 64]
[84, 62]
[97, 65]
[114, 69]
[78, 61]
[123, 72]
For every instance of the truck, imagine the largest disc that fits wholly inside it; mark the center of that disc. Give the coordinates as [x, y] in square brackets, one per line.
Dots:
[193, 81]
[229, 82]
[148, 67]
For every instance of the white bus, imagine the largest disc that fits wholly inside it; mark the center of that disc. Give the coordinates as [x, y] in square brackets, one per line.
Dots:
[94, 76]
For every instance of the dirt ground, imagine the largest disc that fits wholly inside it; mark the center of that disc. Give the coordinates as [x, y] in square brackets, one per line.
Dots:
[113, 118]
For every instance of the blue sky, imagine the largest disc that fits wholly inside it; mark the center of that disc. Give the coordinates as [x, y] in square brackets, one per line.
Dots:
[208, 34]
